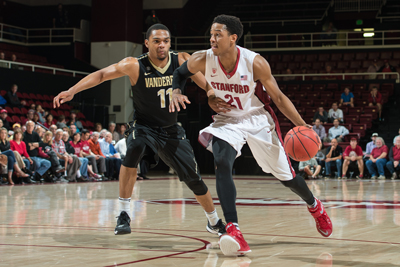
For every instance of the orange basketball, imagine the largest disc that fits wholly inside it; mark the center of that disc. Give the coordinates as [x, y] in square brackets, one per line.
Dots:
[301, 143]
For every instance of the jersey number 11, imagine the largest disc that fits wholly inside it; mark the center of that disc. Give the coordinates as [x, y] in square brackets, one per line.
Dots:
[161, 94]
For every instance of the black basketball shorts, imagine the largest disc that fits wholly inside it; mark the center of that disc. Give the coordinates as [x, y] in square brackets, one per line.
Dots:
[169, 143]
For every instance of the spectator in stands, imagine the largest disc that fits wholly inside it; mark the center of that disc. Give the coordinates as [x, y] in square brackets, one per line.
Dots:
[394, 139]
[32, 106]
[103, 133]
[82, 173]
[15, 127]
[56, 167]
[19, 146]
[333, 157]
[289, 78]
[122, 129]
[321, 114]
[14, 59]
[3, 101]
[320, 157]
[60, 19]
[111, 154]
[12, 163]
[3, 116]
[335, 113]
[336, 132]
[330, 34]
[120, 147]
[72, 163]
[378, 159]
[387, 67]
[12, 98]
[29, 116]
[1, 123]
[3, 57]
[151, 19]
[73, 129]
[370, 146]
[375, 99]
[97, 162]
[111, 129]
[40, 131]
[23, 128]
[353, 156]
[36, 118]
[310, 167]
[74, 121]
[42, 113]
[53, 129]
[49, 121]
[95, 145]
[33, 142]
[347, 98]
[394, 158]
[319, 129]
[328, 70]
[76, 144]
[98, 127]
[61, 122]
[373, 68]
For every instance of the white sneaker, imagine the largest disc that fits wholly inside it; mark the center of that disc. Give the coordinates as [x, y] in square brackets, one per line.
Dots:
[381, 177]
[373, 177]
[394, 176]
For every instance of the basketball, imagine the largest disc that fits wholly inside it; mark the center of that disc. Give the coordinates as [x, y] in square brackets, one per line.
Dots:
[301, 143]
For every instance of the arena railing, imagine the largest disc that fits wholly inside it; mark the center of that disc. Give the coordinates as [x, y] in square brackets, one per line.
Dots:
[300, 41]
[34, 67]
[44, 36]
[342, 75]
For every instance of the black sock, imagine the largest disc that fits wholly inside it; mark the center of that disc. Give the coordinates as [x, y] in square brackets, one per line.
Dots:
[224, 157]
[299, 186]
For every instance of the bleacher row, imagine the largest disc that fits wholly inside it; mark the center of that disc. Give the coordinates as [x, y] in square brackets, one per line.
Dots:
[307, 98]
[17, 115]
[340, 62]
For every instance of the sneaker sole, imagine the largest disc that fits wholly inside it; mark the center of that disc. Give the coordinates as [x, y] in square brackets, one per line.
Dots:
[121, 232]
[230, 247]
[211, 231]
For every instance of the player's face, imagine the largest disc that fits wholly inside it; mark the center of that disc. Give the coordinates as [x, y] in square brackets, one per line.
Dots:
[159, 44]
[220, 39]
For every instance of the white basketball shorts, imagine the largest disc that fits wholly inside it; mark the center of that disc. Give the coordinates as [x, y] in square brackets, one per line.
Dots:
[258, 130]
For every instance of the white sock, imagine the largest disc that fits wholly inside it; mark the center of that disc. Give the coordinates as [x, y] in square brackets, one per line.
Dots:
[237, 225]
[313, 205]
[124, 205]
[65, 173]
[78, 173]
[212, 217]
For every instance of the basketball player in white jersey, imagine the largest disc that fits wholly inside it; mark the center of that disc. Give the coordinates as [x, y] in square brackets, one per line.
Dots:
[240, 88]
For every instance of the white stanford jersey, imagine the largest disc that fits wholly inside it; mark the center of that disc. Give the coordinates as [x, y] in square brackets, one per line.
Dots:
[238, 87]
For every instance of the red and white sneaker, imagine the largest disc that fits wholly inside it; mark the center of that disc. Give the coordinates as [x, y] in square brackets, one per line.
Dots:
[232, 243]
[322, 220]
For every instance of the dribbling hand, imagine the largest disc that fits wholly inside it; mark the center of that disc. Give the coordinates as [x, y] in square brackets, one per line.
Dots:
[219, 105]
[178, 98]
[61, 98]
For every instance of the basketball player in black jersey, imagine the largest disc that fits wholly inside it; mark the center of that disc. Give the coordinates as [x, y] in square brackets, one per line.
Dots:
[153, 126]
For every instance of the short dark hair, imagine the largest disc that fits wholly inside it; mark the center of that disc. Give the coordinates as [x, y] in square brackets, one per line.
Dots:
[157, 26]
[232, 23]
[85, 131]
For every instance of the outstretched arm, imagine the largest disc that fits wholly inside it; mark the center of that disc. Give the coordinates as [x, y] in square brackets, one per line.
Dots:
[128, 66]
[262, 72]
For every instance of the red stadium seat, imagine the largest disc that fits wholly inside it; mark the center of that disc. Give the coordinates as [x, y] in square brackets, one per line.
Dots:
[361, 56]
[47, 98]
[366, 119]
[32, 96]
[326, 95]
[359, 86]
[371, 110]
[54, 113]
[16, 119]
[348, 56]
[19, 95]
[9, 119]
[17, 111]
[348, 137]
[336, 57]
[323, 57]
[287, 58]
[351, 118]
[319, 87]
[25, 96]
[355, 111]
[9, 110]
[46, 105]
[39, 97]
[84, 124]
[373, 55]
[3, 92]
[24, 111]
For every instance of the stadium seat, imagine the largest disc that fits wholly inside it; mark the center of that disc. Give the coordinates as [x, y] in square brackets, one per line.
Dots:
[32, 96]
[47, 98]
[299, 58]
[366, 119]
[373, 55]
[16, 119]
[17, 111]
[371, 110]
[351, 118]
[311, 110]
[361, 56]
[84, 124]
[39, 97]
[359, 86]
[46, 105]
[355, 111]
[54, 113]
[336, 57]
[24, 111]
[287, 58]
[307, 103]
[323, 57]
[19, 95]
[348, 56]
[319, 87]
[9, 110]
[9, 119]
[326, 95]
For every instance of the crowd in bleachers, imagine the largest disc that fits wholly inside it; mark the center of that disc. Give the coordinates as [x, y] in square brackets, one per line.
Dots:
[37, 147]
[377, 161]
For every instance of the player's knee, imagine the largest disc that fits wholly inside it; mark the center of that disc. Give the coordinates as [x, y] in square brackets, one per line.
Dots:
[292, 183]
[199, 188]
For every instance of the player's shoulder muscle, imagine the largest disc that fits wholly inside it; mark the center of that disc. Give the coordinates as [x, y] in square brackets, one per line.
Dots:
[261, 68]
[130, 67]
[197, 61]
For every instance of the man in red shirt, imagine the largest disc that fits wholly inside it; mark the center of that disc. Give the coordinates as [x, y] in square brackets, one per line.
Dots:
[98, 162]
[394, 157]
[353, 156]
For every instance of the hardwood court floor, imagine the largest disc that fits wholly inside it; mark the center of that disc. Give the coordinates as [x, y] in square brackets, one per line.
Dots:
[72, 225]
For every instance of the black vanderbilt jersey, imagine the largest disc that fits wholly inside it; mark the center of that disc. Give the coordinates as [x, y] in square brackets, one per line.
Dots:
[153, 92]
